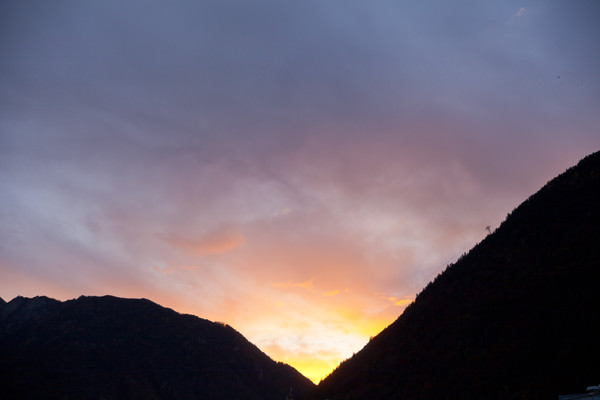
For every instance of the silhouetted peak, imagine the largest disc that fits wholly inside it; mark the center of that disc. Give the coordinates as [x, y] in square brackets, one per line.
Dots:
[512, 318]
[25, 309]
[134, 348]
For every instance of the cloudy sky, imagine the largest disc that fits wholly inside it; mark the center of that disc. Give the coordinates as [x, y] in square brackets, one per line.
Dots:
[297, 169]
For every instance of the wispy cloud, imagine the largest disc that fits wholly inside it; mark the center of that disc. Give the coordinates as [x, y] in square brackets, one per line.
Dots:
[403, 301]
[308, 285]
[213, 242]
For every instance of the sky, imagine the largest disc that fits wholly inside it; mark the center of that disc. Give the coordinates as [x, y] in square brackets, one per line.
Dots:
[296, 169]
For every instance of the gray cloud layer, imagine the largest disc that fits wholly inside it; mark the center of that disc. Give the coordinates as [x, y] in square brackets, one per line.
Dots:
[409, 125]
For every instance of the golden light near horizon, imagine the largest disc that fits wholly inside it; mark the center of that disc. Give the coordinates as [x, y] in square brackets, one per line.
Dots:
[314, 329]
[318, 357]
[334, 343]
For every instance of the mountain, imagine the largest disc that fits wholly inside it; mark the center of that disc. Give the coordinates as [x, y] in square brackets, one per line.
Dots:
[109, 347]
[516, 318]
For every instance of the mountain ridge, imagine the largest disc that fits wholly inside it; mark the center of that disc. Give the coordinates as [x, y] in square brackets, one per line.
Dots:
[94, 347]
[512, 318]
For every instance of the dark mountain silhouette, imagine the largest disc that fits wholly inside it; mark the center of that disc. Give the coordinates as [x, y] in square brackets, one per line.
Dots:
[516, 318]
[114, 348]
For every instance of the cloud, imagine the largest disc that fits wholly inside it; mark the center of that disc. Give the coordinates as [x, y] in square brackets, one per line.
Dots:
[308, 285]
[404, 301]
[215, 242]
[283, 212]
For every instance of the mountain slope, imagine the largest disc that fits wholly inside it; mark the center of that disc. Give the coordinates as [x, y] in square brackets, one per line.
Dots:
[108, 347]
[515, 318]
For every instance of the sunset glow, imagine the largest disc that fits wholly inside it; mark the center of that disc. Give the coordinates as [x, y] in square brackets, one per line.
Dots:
[297, 170]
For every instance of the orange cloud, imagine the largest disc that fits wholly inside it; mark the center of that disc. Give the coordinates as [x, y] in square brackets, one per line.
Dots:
[213, 242]
[308, 285]
[282, 212]
[174, 268]
[402, 301]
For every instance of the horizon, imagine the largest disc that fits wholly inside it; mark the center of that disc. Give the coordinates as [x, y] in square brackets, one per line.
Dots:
[298, 171]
